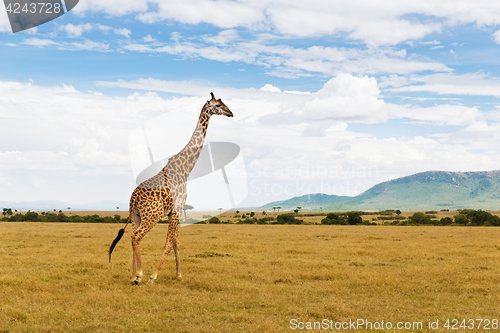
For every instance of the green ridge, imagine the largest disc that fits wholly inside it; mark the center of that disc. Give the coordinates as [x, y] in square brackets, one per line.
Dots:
[428, 190]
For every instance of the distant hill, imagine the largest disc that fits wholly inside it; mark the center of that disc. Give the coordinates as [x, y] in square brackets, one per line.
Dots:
[430, 190]
[49, 205]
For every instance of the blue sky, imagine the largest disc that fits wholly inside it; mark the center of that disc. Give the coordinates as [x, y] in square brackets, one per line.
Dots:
[328, 96]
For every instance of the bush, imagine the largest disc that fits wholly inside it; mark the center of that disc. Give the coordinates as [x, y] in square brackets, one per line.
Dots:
[446, 221]
[461, 219]
[214, 220]
[288, 219]
[332, 218]
[354, 218]
[420, 218]
[477, 218]
[61, 217]
[31, 216]
[248, 221]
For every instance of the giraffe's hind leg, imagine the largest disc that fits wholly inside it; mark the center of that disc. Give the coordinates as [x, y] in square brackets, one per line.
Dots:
[136, 252]
[171, 239]
[136, 257]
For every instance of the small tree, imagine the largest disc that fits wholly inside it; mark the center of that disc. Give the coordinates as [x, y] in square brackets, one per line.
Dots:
[420, 218]
[214, 220]
[297, 210]
[461, 219]
[252, 214]
[446, 221]
[185, 208]
[354, 218]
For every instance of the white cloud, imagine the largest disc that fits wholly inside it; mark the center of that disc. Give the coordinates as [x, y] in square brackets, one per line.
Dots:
[270, 88]
[287, 61]
[223, 37]
[479, 84]
[75, 30]
[56, 133]
[104, 28]
[346, 98]
[86, 45]
[148, 38]
[444, 114]
[372, 23]
[433, 42]
[123, 32]
[39, 42]
[4, 21]
[496, 37]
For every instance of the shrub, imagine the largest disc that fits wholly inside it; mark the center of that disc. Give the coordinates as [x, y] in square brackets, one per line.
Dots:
[31, 216]
[461, 219]
[214, 220]
[354, 218]
[61, 217]
[248, 221]
[446, 221]
[288, 219]
[333, 218]
[420, 218]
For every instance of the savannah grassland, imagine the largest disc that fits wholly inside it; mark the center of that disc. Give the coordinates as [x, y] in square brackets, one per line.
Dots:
[55, 277]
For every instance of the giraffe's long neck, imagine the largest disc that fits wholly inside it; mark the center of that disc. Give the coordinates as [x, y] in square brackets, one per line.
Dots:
[184, 161]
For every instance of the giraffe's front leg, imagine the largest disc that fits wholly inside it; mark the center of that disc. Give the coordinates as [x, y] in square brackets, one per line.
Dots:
[177, 254]
[174, 221]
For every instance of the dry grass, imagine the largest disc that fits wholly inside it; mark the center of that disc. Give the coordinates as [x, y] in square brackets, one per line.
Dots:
[245, 278]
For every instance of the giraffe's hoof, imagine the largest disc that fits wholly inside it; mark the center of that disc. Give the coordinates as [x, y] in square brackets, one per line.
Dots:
[179, 277]
[152, 279]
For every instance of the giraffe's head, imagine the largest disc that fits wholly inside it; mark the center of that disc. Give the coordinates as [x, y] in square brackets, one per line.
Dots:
[215, 106]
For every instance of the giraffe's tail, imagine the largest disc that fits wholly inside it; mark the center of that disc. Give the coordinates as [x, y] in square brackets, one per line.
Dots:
[117, 239]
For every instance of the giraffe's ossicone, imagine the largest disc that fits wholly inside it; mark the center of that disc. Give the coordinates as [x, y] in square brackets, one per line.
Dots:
[165, 195]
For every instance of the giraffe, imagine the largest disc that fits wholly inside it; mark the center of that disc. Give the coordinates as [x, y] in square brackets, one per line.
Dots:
[165, 195]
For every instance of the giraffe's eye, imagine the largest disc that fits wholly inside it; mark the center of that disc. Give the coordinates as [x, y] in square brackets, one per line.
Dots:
[217, 105]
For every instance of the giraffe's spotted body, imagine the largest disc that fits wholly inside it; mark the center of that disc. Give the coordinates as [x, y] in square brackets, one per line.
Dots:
[165, 194]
